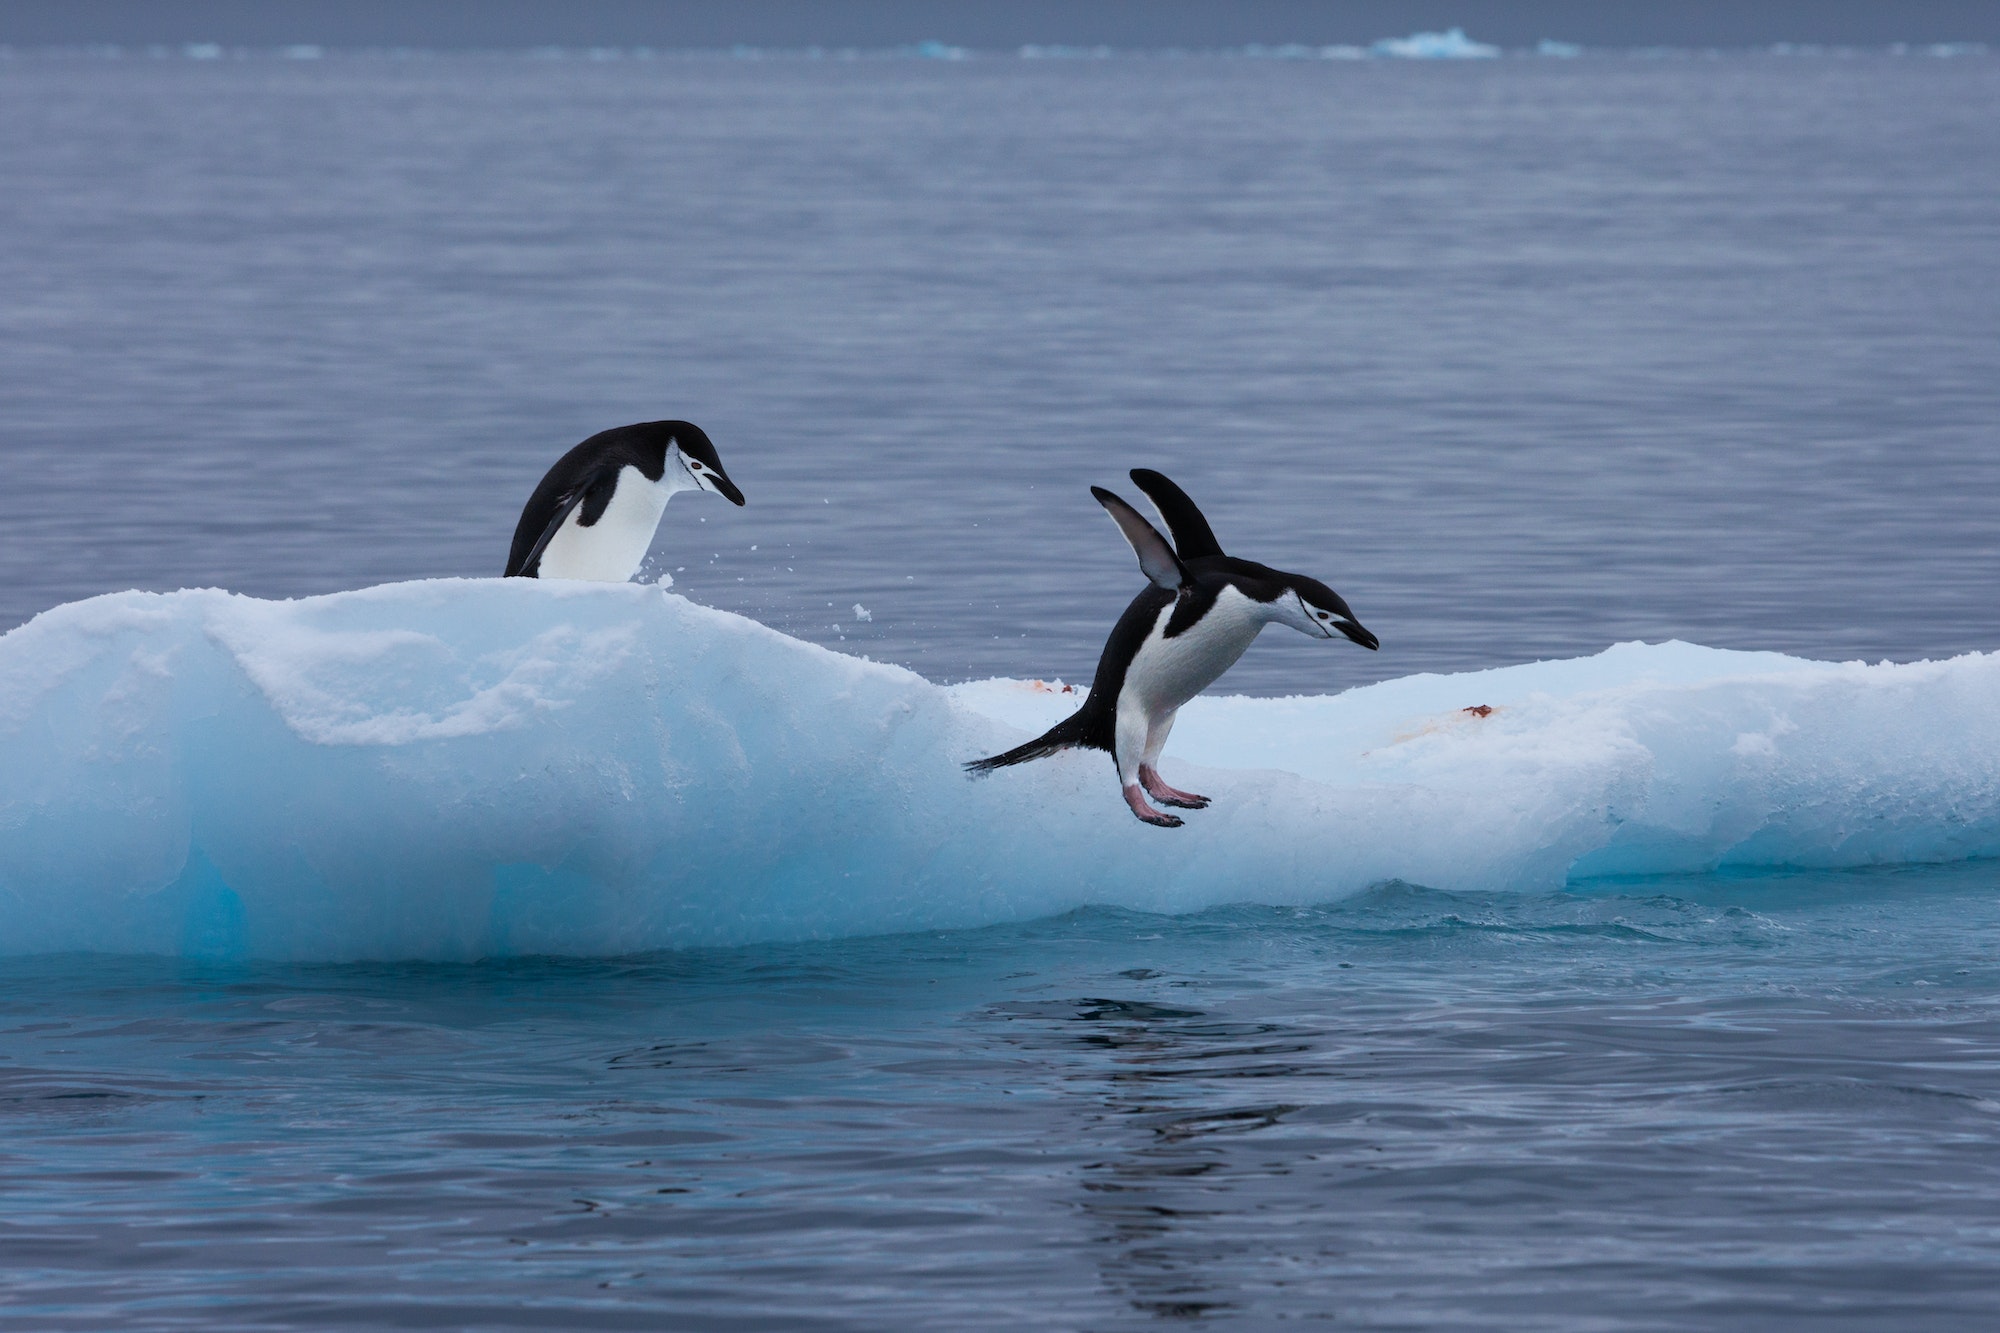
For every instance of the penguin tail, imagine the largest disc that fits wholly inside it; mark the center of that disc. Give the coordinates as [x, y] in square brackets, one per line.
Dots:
[1062, 736]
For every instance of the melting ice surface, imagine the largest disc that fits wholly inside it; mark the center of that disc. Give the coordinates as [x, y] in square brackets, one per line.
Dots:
[457, 769]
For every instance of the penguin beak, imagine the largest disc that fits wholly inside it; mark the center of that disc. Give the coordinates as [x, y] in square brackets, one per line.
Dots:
[1353, 630]
[724, 487]
[712, 479]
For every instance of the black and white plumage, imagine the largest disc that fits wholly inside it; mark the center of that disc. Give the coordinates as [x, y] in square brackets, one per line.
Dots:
[1201, 610]
[595, 512]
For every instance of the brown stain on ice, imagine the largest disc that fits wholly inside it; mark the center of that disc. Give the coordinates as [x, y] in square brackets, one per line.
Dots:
[1432, 725]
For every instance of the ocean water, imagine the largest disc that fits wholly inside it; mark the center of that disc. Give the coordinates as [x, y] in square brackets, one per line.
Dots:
[1754, 1103]
[1526, 357]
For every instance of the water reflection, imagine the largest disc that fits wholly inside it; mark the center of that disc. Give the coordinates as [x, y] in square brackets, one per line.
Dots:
[1165, 1193]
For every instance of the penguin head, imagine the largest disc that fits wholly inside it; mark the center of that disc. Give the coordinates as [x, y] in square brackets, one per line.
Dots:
[691, 454]
[1310, 607]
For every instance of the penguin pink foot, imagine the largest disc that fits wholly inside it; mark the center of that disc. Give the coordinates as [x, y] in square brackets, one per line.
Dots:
[1157, 788]
[1137, 800]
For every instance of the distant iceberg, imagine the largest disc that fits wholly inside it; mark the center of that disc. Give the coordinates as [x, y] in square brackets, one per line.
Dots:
[1556, 50]
[454, 769]
[1451, 44]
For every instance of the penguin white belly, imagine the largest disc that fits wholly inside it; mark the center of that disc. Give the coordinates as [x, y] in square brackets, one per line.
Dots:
[1166, 673]
[611, 549]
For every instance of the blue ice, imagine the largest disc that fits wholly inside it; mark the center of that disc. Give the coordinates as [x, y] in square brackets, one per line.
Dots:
[455, 769]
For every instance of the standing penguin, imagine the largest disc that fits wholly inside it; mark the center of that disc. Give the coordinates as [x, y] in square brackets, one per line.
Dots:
[595, 512]
[1202, 610]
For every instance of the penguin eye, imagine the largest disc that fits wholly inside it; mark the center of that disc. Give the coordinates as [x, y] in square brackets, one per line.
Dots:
[1324, 614]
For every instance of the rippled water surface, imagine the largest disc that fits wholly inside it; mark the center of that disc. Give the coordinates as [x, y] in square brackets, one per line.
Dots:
[1524, 357]
[1754, 1103]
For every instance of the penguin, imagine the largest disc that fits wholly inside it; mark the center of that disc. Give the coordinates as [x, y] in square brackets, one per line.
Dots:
[596, 510]
[1198, 614]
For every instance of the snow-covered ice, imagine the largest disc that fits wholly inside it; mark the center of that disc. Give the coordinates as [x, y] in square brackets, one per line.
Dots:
[461, 768]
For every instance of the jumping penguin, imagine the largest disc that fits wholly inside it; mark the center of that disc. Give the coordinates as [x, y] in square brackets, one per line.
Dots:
[595, 512]
[1202, 610]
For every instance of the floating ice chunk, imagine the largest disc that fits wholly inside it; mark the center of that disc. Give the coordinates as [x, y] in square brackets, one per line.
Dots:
[1452, 44]
[463, 768]
[861, 612]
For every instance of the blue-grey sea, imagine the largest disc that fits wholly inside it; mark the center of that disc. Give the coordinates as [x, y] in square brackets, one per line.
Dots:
[1524, 356]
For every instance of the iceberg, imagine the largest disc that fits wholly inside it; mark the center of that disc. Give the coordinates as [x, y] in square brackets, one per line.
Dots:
[1452, 44]
[456, 769]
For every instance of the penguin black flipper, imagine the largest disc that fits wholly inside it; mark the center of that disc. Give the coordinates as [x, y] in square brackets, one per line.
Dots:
[593, 492]
[1093, 725]
[1156, 558]
[1193, 538]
